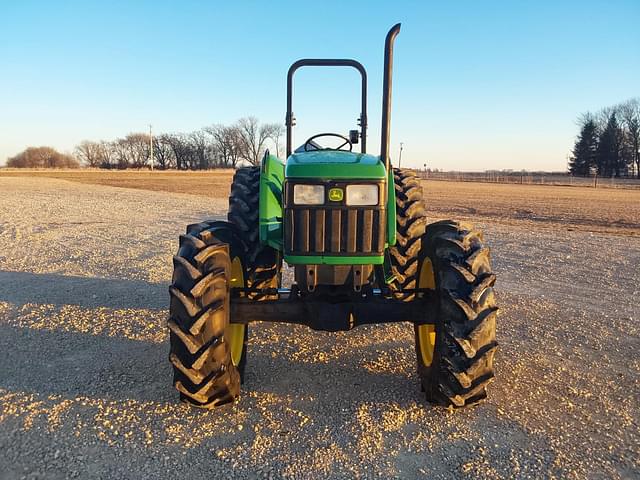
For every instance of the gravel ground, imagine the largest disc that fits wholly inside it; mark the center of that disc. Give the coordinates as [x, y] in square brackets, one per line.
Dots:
[85, 384]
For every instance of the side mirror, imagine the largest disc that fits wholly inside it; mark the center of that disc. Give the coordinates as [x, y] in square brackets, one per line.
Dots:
[354, 135]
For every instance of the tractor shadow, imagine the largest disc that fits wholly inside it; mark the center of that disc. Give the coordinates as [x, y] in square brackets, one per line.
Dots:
[21, 288]
[331, 386]
[52, 356]
[73, 364]
[127, 382]
[97, 348]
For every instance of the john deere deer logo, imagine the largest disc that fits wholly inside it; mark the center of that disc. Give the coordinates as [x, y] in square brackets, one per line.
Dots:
[336, 194]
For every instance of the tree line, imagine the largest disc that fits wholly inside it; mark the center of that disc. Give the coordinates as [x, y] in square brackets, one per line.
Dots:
[215, 146]
[608, 144]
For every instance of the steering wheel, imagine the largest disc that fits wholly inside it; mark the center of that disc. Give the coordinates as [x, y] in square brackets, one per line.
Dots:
[314, 146]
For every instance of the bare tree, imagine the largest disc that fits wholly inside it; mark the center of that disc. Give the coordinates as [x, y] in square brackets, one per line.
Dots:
[180, 148]
[253, 137]
[42, 157]
[276, 134]
[217, 139]
[89, 153]
[630, 113]
[163, 153]
[602, 117]
[137, 149]
[227, 144]
[120, 152]
[106, 153]
[199, 149]
[234, 138]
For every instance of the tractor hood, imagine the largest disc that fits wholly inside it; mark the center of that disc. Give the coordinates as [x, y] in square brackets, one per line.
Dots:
[335, 164]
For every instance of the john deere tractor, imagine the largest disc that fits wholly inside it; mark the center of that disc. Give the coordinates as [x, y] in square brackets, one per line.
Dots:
[354, 230]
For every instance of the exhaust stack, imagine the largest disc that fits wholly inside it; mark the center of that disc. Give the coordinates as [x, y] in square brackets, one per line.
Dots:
[386, 94]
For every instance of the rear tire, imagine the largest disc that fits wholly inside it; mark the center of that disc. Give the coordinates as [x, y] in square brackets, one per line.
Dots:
[461, 363]
[410, 226]
[262, 263]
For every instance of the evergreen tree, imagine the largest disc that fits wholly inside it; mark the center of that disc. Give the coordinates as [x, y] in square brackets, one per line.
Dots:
[585, 149]
[608, 153]
[609, 142]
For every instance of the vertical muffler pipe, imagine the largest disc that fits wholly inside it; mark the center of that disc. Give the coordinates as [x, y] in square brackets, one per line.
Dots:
[386, 94]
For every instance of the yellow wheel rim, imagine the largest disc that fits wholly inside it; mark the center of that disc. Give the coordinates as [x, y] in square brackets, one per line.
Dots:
[427, 333]
[234, 333]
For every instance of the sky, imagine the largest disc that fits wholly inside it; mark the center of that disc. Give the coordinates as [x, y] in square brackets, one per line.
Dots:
[477, 84]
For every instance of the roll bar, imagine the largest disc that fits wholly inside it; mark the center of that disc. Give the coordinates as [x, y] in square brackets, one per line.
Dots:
[327, 62]
[386, 94]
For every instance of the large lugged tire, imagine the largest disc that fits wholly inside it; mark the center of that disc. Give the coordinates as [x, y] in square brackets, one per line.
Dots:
[456, 369]
[200, 350]
[410, 227]
[262, 263]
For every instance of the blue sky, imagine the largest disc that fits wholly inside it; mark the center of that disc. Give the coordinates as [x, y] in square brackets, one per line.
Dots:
[477, 84]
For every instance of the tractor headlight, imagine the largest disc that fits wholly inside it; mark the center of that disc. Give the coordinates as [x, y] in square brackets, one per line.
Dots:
[362, 194]
[308, 194]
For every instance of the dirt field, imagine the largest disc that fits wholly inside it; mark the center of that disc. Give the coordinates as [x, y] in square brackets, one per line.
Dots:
[532, 206]
[212, 184]
[85, 384]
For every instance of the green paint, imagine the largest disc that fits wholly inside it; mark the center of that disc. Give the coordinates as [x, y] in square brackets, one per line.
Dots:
[321, 165]
[271, 210]
[335, 165]
[391, 209]
[389, 276]
[329, 260]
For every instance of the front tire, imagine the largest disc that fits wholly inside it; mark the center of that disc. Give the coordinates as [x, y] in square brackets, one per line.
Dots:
[206, 351]
[455, 358]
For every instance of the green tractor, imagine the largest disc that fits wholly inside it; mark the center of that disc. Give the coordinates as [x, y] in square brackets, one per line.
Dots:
[355, 232]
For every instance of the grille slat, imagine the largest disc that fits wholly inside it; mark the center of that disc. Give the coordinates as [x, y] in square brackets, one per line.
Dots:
[352, 226]
[319, 231]
[302, 227]
[367, 230]
[381, 231]
[336, 224]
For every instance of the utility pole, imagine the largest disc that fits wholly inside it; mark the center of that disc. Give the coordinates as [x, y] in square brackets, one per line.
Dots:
[400, 156]
[151, 146]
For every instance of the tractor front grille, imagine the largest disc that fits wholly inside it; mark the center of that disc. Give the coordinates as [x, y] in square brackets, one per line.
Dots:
[335, 229]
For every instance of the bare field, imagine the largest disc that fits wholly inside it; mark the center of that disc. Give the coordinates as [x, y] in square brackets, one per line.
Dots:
[539, 206]
[85, 384]
[212, 184]
[614, 211]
